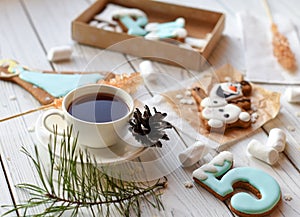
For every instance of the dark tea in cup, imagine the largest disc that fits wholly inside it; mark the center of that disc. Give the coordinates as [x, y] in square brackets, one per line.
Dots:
[98, 108]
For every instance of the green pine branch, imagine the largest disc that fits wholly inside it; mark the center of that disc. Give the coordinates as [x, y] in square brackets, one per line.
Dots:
[73, 182]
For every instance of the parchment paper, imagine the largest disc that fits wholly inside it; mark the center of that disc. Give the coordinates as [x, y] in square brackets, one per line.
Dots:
[265, 103]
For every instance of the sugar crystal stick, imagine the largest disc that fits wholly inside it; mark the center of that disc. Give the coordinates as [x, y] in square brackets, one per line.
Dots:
[281, 46]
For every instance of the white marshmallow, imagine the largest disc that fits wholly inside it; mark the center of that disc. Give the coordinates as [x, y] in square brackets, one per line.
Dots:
[59, 53]
[196, 42]
[108, 28]
[277, 139]
[101, 25]
[193, 154]
[93, 23]
[293, 94]
[262, 152]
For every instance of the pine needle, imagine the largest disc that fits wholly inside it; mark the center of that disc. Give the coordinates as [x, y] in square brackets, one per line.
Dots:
[72, 182]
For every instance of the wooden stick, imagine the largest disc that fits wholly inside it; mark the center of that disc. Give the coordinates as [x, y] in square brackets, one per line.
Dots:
[268, 10]
[56, 104]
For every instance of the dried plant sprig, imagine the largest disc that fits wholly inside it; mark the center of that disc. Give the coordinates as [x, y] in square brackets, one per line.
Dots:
[149, 129]
[127, 82]
[73, 182]
[281, 45]
[55, 104]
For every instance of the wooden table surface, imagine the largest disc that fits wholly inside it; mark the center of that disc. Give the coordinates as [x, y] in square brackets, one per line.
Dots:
[29, 28]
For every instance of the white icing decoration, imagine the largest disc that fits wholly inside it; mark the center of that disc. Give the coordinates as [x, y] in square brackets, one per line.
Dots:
[213, 102]
[172, 29]
[106, 14]
[245, 116]
[215, 123]
[227, 114]
[150, 27]
[180, 33]
[152, 36]
[219, 160]
[201, 172]
[132, 12]
[180, 21]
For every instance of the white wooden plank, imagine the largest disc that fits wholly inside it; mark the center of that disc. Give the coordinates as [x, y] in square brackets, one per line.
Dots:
[55, 29]
[18, 41]
[5, 198]
[177, 202]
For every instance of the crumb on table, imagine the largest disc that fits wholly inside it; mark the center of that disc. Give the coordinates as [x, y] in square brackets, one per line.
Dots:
[188, 184]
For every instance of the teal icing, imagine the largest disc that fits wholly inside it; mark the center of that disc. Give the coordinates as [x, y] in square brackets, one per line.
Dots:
[58, 85]
[170, 25]
[166, 30]
[134, 26]
[244, 202]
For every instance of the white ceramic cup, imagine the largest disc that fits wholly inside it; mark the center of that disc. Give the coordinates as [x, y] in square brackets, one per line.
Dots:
[92, 134]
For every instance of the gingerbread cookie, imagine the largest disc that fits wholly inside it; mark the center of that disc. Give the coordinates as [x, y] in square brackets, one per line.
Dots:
[225, 106]
[131, 20]
[229, 92]
[174, 30]
[265, 189]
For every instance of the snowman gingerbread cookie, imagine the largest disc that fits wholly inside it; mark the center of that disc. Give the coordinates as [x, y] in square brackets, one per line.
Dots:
[225, 106]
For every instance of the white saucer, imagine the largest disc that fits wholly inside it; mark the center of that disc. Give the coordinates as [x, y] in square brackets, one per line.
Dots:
[125, 150]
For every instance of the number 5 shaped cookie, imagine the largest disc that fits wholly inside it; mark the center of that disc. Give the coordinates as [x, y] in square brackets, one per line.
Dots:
[263, 186]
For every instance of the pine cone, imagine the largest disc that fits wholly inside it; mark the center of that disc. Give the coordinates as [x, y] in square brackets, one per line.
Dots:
[149, 129]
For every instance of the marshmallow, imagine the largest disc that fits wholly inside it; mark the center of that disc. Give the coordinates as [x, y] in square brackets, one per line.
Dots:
[193, 154]
[147, 71]
[108, 28]
[277, 139]
[93, 23]
[293, 94]
[196, 42]
[262, 152]
[101, 25]
[59, 53]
